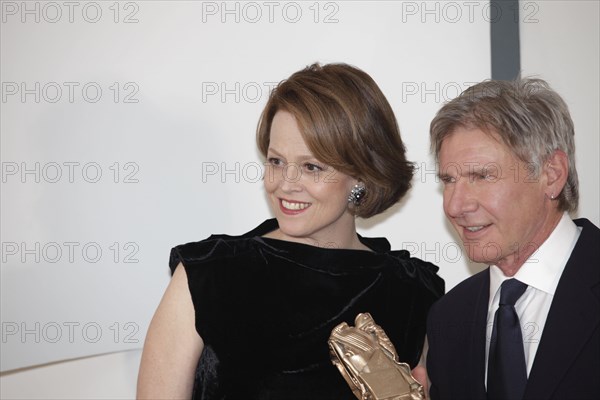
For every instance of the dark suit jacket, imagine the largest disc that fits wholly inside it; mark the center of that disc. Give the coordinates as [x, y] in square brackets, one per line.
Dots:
[567, 362]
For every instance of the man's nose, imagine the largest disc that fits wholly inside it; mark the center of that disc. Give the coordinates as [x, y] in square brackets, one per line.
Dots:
[459, 198]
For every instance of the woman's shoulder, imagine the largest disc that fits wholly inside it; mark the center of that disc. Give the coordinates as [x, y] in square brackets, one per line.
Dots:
[417, 270]
[217, 246]
[381, 245]
[408, 269]
[428, 275]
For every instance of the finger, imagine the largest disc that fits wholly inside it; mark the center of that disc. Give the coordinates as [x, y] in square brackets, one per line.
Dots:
[420, 374]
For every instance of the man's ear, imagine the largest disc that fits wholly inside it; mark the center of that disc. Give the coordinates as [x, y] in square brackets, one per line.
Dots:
[556, 170]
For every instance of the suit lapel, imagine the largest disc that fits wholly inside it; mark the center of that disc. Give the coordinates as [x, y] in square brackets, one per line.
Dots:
[477, 350]
[571, 320]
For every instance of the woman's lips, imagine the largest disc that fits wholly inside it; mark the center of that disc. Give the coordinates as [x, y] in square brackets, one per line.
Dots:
[292, 207]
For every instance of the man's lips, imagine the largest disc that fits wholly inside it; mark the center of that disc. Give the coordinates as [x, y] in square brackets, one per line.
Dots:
[474, 230]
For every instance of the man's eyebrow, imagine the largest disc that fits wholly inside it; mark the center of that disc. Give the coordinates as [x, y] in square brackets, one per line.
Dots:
[466, 170]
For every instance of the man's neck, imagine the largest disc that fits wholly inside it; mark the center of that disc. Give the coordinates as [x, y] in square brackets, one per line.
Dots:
[511, 264]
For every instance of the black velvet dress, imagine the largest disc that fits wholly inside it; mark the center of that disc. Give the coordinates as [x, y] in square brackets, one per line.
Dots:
[265, 308]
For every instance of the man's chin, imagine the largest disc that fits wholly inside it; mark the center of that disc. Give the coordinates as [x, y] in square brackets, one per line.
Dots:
[488, 252]
[478, 257]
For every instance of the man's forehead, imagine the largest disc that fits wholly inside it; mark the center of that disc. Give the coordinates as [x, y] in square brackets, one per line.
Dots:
[474, 137]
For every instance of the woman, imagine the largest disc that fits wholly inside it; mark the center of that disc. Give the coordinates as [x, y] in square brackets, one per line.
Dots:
[248, 317]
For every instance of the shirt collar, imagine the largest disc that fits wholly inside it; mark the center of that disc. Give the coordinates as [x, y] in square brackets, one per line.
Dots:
[542, 270]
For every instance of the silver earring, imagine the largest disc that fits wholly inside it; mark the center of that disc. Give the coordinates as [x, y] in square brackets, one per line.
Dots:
[552, 196]
[356, 194]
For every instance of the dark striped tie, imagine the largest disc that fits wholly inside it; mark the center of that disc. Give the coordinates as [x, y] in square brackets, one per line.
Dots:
[507, 372]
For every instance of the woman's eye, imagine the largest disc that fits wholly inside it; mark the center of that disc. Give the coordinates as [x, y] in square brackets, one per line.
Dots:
[275, 161]
[313, 167]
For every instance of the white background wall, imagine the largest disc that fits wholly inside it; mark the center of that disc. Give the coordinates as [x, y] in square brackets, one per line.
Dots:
[84, 256]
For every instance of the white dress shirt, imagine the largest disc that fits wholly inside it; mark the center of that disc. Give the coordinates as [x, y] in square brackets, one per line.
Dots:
[541, 272]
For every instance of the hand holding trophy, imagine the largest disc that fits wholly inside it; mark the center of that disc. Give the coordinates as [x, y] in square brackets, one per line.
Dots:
[368, 361]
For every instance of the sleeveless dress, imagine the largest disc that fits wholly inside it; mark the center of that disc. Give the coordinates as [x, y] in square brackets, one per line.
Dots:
[265, 308]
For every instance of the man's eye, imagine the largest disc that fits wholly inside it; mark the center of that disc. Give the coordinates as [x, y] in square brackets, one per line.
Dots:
[447, 179]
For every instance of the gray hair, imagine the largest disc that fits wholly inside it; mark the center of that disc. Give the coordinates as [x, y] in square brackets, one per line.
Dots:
[528, 116]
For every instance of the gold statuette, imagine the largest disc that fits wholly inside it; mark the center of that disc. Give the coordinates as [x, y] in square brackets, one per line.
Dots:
[368, 361]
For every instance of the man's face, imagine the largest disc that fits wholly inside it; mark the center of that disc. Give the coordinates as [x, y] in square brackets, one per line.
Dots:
[495, 202]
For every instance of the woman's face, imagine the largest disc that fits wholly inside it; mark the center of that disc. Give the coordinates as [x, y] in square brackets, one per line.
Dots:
[308, 197]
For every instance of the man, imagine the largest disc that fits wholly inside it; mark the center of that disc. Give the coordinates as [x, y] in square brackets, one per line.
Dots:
[507, 163]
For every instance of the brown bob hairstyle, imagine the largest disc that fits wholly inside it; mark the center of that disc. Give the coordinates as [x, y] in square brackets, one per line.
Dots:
[348, 124]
